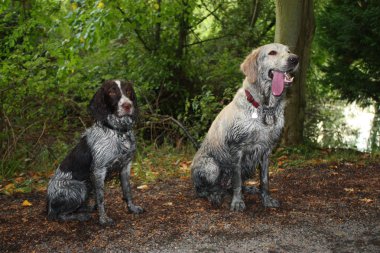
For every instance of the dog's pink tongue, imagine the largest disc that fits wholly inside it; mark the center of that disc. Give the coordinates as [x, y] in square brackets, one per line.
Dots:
[278, 83]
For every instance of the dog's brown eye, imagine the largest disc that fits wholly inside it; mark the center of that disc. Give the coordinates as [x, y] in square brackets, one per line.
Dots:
[272, 52]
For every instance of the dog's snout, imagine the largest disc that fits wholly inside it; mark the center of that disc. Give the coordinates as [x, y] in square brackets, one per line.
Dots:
[293, 59]
[126, 106]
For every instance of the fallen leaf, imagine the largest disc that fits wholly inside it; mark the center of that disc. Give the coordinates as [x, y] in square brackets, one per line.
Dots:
[168, 204]
[349, 189]
[9, 187]
[26, 203]
[366, 200]
[19, 179]
[251, 182]
[284, 157]
[143, 187]
[36, 176]
[41, 188]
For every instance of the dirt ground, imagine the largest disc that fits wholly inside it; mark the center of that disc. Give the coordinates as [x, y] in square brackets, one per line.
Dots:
[325, 208]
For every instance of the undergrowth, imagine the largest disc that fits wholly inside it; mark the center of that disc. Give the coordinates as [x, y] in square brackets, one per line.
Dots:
[154, 163]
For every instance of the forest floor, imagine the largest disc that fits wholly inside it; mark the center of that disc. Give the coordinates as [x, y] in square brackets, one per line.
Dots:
[325, 207]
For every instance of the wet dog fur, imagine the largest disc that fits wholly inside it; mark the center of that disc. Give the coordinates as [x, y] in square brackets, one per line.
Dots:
[242, 137]
[108, 145]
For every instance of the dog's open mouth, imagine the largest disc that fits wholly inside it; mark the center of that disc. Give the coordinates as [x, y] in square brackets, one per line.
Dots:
[280, 80]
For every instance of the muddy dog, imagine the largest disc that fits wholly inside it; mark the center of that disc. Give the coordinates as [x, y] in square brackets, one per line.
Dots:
[244, 133]
[106, 146]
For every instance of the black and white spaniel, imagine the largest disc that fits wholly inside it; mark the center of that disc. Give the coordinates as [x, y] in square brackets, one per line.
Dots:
[108, 145]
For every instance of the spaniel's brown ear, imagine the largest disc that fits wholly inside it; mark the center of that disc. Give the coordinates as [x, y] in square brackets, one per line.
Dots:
[249, 66]
[131, 94]
[98, 107]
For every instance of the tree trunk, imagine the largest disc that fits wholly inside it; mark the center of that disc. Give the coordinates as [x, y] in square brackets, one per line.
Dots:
[374, 137]
[295, 27]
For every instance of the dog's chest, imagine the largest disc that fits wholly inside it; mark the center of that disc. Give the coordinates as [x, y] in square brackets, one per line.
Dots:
[122, 145]
[262, 130]
[114, 149]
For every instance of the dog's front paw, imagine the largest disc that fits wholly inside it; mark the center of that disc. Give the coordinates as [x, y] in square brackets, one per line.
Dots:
[270, 202]
[237, 205]
[135, 209]
[106, 221]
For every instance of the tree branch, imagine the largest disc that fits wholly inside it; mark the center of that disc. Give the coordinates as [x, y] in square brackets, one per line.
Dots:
[255, 13]
[208, 15]
[267, 29]
[212, 12]
[166, 117]
[210, 39]
[135, 29]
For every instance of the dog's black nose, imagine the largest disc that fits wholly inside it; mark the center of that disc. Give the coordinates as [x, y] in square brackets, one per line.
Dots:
[293, 59]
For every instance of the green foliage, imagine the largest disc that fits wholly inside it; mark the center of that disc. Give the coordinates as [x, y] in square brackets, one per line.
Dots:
[344, 68]
[349, 32]
[183, 56]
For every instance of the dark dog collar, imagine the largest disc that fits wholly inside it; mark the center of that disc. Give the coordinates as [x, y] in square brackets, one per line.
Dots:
[107, 125]
[251, 99]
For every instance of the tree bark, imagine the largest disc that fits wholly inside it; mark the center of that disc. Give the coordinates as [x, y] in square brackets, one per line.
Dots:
[374, 139]
[295, 27]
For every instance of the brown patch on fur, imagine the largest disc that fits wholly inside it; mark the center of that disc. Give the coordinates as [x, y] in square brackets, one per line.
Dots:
[249, 66]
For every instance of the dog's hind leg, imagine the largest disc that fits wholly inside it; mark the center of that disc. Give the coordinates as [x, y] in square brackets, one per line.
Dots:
[87, 207]
[65, 196]
[205, 179]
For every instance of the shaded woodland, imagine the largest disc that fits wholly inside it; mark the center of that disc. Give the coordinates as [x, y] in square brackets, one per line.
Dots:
[183, 57]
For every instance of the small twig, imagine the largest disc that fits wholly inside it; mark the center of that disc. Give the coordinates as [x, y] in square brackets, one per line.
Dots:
[42, 133]
[9, 149]
[195, 143]
[10, 125]
[210, 39]
[137, 31]
[80, 119]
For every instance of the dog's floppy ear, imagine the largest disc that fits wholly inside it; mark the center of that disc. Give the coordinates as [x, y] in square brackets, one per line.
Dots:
[249, 66]
[132, 95]
[98, 107]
